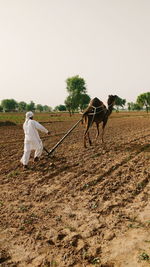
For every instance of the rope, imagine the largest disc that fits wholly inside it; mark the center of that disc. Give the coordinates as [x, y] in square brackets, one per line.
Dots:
[94, 113]
[93, 116]
[100, 110]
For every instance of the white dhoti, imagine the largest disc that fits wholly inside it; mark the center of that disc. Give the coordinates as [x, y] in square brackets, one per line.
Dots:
[28, 147]
[32, 140]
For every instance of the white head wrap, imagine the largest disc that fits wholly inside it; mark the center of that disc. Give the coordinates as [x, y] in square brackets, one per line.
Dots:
[29, 115]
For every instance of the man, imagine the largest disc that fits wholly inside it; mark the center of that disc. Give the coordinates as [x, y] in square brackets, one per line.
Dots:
[32, 140]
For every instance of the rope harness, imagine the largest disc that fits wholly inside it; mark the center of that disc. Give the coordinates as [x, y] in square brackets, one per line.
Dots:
[93, 115]
[97, 112]
[95, 108]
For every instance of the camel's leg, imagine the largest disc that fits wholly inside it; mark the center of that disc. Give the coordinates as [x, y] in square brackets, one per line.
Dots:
[87, 133]
[90, 142]
[103, 128]
[84, 139]
[102, 135]
[97, 126]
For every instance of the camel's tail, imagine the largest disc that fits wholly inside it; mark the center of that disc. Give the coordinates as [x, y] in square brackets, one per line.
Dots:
[86, 113]
[84, 117]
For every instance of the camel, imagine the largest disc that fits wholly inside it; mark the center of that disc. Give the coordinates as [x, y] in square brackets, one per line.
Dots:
[97, 112]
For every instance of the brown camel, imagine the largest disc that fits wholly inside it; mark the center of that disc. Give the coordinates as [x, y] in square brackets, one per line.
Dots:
[97, 112]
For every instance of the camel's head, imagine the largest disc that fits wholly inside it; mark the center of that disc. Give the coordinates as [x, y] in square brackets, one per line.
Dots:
[111, 100]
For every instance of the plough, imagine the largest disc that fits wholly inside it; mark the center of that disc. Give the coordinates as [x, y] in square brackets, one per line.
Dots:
[62, 139]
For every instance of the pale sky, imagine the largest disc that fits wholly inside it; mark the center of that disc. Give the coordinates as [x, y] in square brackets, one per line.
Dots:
[43, 42]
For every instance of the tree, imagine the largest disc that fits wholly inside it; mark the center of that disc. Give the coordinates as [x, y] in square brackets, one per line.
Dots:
[69, 104]
[47, 108]
[60, 108]
[39, 107]
[136, 106]
[77, 93]
[9, 104]
[133, 106]
[119, 102]
[31, 106]
[144, 100]
[84, 101]
[22, 106]
[129, 105]
[1, 108]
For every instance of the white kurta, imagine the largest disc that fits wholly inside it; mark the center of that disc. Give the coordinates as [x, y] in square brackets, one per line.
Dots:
[32, 140]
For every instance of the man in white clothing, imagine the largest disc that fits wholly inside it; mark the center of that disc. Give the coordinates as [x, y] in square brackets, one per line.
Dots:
[32, 140]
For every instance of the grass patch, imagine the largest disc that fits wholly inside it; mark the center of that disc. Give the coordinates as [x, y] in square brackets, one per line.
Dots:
[144, 257]
[147, 241]
[53, 263]
[18, 118]
[23, 208]
[13, 174]
[1, 203]
[134, 226]
[96, 155]
[140, 186]
[95, 261]
[30, 219]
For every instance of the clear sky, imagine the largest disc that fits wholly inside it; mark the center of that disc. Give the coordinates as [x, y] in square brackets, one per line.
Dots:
[43, 42]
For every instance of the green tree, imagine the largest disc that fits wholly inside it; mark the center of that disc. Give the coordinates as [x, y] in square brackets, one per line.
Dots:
[133, 106]
[31, 106]
[119, 102]
[47, 108]
[136, 106]
[60, 108]
[9, 104]
[39, 107]
[22, 106]
[143, 100]
[129, 105]
[84, 101]
[1, 108]
[76, 89]
[69, 104]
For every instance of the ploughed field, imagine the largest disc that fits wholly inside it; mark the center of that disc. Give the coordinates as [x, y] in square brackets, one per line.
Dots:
[80, 207]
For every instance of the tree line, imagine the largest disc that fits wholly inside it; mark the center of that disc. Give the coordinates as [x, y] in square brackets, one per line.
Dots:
[12, 105]
[77, 100]
[143, 101]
